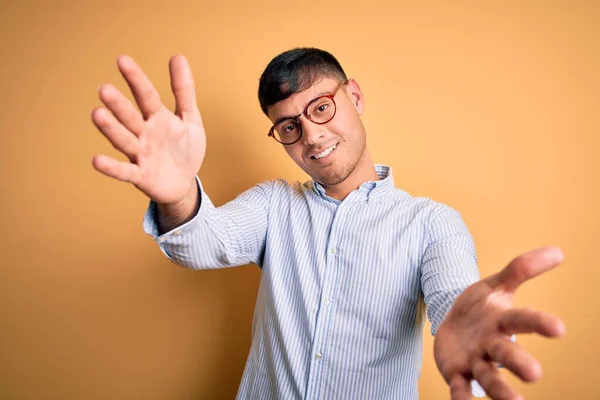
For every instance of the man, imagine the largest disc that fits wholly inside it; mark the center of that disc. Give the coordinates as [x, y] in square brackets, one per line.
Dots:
[346, 258]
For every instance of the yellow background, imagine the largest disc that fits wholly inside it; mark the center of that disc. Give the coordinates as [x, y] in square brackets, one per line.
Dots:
[491, 107]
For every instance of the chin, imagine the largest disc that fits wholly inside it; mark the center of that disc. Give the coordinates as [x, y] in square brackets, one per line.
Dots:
[334, 177]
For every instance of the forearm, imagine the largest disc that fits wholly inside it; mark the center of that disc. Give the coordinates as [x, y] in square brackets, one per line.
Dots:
[209, 237]
[171, 216]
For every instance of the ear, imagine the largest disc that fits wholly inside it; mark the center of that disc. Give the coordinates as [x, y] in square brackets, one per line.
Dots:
[355, 95]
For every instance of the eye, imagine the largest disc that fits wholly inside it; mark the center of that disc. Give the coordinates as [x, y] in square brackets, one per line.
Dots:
[322, 108]
[289, 128]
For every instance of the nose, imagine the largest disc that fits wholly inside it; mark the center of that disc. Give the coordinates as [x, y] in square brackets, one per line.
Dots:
[311, 133]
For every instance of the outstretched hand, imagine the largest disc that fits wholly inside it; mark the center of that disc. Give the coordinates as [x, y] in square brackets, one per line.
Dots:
[475, 335]
[165, 149]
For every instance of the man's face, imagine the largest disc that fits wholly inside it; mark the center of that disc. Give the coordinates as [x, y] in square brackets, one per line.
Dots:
[330, 152]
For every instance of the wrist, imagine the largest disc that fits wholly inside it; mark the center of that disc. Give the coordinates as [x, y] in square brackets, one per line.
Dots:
[189, 198]
[172, 215]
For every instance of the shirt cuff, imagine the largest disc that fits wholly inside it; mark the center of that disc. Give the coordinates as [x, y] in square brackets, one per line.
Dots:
[150, 222]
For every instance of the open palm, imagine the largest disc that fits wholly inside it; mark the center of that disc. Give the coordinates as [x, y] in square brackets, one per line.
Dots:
[165, 149]
[475, 335]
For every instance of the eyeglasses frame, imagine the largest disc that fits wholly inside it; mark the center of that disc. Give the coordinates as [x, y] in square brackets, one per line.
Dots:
[308, 116]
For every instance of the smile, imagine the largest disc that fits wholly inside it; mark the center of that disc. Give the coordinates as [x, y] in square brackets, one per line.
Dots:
[324, 153]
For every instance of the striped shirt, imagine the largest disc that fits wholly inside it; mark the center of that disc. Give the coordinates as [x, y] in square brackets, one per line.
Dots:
[344, 284]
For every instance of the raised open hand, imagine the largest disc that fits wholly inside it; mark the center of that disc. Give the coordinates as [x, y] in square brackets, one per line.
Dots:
[165, 148]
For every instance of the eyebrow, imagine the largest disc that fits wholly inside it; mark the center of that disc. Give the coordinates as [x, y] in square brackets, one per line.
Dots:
[280, 119]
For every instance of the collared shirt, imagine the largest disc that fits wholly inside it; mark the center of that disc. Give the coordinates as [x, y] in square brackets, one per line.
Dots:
[340, 309]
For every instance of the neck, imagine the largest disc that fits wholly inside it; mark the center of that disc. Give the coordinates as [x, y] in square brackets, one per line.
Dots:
[363, 172]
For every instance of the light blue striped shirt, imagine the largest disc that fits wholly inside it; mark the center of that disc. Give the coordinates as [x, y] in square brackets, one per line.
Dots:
[344, 284]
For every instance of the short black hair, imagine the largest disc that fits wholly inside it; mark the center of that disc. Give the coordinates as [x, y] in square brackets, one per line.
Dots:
[294, 71]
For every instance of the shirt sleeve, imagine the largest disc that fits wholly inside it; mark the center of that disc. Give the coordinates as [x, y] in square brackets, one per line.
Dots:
[230, 235]
[449, 267]
[449, 264]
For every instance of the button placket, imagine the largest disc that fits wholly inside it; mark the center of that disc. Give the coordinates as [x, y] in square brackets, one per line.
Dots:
[324, 313]
[322, 333]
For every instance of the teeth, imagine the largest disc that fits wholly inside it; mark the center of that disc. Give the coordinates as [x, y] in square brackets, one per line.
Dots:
[325, 153]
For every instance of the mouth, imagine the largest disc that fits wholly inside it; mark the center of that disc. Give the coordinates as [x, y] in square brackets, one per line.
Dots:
[325, 154]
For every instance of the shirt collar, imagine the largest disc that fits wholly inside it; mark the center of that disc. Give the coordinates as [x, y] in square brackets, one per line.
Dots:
[368, 190]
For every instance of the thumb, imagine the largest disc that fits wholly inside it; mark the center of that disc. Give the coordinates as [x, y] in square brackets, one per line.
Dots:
[526, 266]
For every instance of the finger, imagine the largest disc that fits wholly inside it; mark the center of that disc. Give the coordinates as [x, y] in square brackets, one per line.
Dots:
[122, 140]
[526, 266]
[121, 108]
[530, 321]
[146, 96]
[460, 388]
[184, 89]
[123, 171]
[514, 358]
[492, 381]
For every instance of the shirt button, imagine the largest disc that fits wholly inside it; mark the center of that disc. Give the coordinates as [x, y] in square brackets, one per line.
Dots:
[333, 250]
[177, 233]
[318, 356]
[326, 301]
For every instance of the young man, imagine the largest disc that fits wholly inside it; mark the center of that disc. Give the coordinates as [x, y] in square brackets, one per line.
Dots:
[346, 258]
